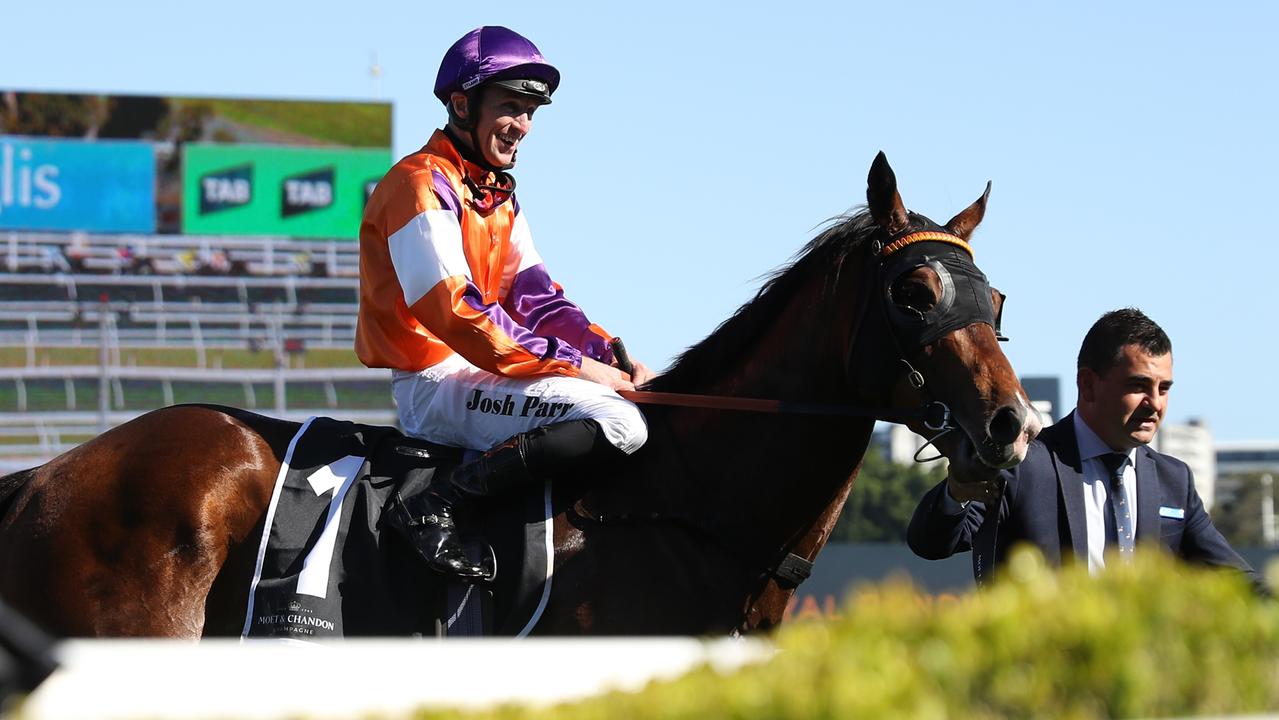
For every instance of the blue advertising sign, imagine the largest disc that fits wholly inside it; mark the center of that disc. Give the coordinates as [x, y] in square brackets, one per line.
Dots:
[92, 185]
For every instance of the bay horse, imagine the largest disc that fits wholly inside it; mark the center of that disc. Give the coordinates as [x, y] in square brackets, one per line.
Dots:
[151, 528]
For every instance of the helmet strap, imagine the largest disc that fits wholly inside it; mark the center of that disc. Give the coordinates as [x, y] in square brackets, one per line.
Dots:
[472, 152]
[486, 197]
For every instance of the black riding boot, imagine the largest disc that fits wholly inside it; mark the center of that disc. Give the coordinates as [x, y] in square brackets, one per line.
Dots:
[426, 518]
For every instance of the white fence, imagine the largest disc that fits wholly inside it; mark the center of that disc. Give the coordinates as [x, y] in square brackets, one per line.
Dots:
[263, 311]
[121, 679]
[28, 437]
[176, 254]
[157, 285]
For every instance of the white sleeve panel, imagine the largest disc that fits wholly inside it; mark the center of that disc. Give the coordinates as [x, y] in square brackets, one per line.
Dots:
[425, 251]
[523, 254]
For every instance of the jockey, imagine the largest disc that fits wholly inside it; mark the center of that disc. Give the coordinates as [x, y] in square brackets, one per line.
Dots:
[485, 350]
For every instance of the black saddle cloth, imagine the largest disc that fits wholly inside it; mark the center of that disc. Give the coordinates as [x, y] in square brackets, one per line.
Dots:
[327, 567]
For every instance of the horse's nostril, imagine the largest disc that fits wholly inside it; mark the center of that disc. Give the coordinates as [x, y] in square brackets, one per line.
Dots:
[1005, 426]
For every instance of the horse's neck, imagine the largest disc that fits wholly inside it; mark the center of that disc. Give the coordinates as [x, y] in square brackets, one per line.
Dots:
[774, 459]
[766, 484]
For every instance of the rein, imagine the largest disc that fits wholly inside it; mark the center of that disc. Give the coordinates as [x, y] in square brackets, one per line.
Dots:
[936, 415]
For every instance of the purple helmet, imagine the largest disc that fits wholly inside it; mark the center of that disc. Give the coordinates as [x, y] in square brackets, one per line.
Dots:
[494, 54]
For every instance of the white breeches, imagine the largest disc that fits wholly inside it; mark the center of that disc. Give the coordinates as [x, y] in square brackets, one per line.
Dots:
[455, 403]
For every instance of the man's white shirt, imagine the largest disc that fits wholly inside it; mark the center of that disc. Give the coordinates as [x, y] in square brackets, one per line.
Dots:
[1097, 490]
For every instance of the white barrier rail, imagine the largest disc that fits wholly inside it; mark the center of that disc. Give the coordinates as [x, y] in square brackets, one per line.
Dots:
[126, 680]
[178, 281]
[189, 337]
[54, 433]
[49, 252]
[176, 374]
[180, 320]
[119, 417]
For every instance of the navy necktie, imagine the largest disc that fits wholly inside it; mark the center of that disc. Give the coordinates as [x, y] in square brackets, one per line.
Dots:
[1115, 463]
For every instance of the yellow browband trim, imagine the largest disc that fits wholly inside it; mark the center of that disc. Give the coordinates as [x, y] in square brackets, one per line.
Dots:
[927, 236]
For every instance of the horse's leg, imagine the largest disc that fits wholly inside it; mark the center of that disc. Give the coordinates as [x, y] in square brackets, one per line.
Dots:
[126, 534]
[639, 580]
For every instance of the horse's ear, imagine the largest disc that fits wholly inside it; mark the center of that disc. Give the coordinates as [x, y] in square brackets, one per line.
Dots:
[970, 217]
[881, 195]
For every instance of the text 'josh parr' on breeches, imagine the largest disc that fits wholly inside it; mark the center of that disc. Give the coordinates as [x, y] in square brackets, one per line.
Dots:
[530, 407]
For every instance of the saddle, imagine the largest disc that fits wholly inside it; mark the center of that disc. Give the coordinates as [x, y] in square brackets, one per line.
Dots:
[327, 569]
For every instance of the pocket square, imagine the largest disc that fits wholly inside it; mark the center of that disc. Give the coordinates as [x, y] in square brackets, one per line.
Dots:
[1172, 512]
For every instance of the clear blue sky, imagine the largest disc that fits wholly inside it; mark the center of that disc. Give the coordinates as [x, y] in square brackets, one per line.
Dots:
[694, 147]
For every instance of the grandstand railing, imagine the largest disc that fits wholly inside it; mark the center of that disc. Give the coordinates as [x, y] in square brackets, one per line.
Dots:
[33, 438]
[179, 284]
[177, 254]
[175, 330]
[112, 379]
[40, 434]
[157, 322]
[111, 292]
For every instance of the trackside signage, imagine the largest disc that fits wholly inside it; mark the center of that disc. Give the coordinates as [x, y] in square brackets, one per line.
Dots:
[92, 185]
[277, 190]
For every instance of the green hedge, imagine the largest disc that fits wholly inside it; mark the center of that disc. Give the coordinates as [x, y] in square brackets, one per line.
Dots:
[1153, 639]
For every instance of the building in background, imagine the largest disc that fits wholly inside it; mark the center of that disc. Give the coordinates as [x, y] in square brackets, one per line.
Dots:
[1238, 458]
[1248, 456]
[896, 442]
[1192, 444]
[1045, 396]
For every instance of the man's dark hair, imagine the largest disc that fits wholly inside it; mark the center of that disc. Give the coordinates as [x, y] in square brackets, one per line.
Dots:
[1103, 345]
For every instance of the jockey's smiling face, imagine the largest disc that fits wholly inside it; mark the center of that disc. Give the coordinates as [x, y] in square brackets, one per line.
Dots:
[504, 118]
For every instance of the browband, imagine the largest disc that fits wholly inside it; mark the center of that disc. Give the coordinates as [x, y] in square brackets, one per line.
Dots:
[927, 236]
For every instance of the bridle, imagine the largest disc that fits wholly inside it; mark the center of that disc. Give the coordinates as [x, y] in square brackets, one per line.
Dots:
[887, 262]
[906, 253]
[948, 256]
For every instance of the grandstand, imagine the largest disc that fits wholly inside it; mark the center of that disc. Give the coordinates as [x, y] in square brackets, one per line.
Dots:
[154, 250]
[97, 329]
[158, 311]
[83, 253]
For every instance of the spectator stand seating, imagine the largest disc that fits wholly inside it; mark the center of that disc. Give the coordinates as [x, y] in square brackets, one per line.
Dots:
[119, 293]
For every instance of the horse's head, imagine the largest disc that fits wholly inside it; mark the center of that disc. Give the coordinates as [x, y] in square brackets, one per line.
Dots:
[941, 316]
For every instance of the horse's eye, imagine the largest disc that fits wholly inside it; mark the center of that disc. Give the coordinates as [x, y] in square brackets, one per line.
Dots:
[915, 294]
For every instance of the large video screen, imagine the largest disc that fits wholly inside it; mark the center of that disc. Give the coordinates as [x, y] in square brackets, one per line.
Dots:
[54, 184]
[274, 190]
[119, 163]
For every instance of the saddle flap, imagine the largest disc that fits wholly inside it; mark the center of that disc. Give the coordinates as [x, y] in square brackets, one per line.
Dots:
[329, 568]
[409, 463]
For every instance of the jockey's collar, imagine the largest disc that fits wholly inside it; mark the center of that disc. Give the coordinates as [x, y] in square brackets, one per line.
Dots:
[487, 191]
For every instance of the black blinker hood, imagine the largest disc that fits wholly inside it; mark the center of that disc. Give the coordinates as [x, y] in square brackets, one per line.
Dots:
[965, 291]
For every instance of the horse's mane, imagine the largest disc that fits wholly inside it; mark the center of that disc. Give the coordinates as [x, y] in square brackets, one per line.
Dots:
[736, 336]
[10, 484]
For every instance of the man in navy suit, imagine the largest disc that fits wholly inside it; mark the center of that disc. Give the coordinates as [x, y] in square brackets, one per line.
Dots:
[1089, 489]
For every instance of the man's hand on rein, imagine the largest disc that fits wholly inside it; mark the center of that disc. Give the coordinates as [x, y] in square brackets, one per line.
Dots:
[971, 479]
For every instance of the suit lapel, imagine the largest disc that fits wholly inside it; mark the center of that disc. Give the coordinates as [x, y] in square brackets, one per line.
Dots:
[1070, 478]
[1148, 496]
